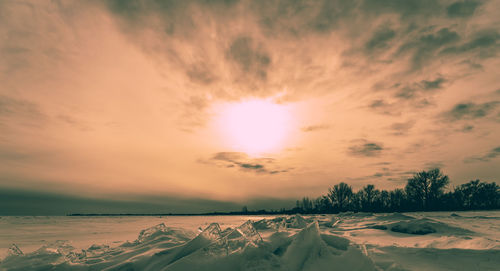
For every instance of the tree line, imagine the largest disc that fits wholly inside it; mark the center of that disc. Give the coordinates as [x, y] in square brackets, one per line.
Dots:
[425, 191]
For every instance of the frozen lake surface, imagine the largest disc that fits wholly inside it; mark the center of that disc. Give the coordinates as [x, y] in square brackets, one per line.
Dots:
[361, 241]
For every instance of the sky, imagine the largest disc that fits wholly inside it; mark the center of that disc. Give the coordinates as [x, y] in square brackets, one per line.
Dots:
[191, 106]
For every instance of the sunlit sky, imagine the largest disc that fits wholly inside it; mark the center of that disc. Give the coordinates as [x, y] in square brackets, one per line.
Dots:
[224, 103]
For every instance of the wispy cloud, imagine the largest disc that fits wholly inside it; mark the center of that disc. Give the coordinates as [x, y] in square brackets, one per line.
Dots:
[244, 163]
[365, 148]
[470, 111]
[462, 8]
[494, 153]
[402, 128]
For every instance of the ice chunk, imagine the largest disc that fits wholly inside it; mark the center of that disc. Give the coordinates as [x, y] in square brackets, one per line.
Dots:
[209, 235]
[151, 232]
[249, 232]
[241, 238]
[212, 232]
[14, 250]
[278, 224]
[297, 222]
[96, 250]
[62, 247]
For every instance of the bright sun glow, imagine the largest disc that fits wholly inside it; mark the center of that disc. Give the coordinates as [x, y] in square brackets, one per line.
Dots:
[255, 126]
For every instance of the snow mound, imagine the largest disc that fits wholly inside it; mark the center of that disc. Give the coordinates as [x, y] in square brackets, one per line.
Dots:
[308, 251]
[394, 217]
[422, 226]
[41, 259]
[350, 214]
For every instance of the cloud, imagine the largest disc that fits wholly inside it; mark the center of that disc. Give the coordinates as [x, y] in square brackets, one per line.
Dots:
[470, 111]
[200, 73]
[494, 153]
[416, 89]
[485, 42]
[20, 111]
[467, 128]
[432, 165]
[406, 9]
[462, 8]
[300, 18]
[29, 202]
[380, 39]
[244, 163]
[424, 47]
[12, 106]
[402, 128]
[314, 128]
[249, 57]
[381, 106]
[366, 149]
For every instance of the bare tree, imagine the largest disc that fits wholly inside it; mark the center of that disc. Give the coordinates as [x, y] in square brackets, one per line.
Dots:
[340, 196]
[425, 187]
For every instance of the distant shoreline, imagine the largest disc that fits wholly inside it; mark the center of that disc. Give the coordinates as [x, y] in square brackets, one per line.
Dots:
[270, 213]
[187, 214]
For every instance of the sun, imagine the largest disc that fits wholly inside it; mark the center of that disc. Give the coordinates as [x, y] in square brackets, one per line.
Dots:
[255, 126]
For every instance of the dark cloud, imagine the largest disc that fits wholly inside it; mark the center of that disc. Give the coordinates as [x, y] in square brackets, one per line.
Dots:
[467, 128]
[313, 128]
[407, 9]
[484, 42]
[136, 12]
[378, 103]
[383, 107]
[249, 57]
[243, 162]
[435, 84]
[253, 55]
[200, 73]
[380, 39]
[432, 165]
[494, 153]
[425, 46]
[30, 202]
[414, 90]
[469, 111]
[402, 128]
[462, 8]
[365, 148]
[299, 18]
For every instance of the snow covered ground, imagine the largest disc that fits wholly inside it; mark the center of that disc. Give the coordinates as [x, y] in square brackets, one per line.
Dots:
[360, 241]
